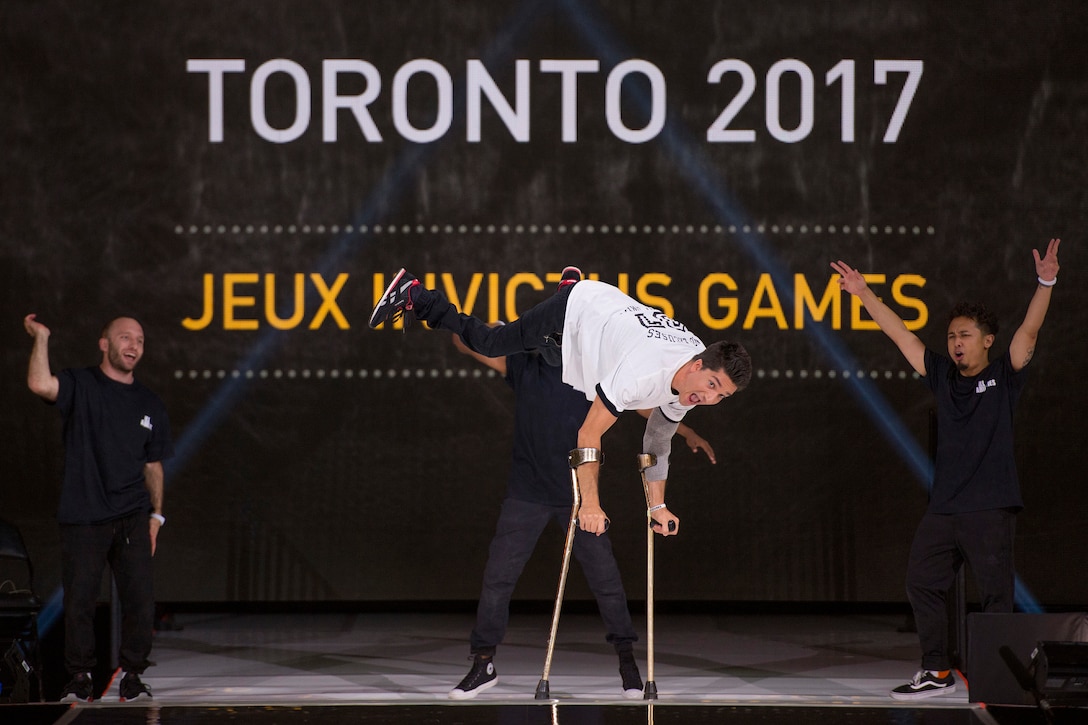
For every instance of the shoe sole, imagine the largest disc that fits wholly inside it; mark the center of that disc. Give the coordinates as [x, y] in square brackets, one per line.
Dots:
[633, 694]
[456, 694]
[381, 300]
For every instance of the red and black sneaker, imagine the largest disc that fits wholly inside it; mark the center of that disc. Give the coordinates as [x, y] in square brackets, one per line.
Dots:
[396, 299]
[570, 276]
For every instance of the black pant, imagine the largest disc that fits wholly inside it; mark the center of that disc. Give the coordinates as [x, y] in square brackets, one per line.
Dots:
[125, 544]
[942, 543]
[519, 527]
[540, 328]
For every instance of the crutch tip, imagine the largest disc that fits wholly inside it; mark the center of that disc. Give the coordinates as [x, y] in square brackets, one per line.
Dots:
[650, 693]
[543, 691]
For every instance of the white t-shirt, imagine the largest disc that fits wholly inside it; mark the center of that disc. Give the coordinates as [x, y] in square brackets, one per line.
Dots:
[628, 349]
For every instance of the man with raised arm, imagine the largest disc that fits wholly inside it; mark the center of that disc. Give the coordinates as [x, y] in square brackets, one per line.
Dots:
[116, 436]
[971, 516]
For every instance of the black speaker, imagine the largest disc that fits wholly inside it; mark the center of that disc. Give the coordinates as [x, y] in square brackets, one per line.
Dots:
[996, 641]
[1060, 672]
[15, 674]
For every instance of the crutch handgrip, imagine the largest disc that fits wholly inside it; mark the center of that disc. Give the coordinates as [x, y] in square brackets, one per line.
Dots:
[607, 522]
[656, 524]
[578, 456]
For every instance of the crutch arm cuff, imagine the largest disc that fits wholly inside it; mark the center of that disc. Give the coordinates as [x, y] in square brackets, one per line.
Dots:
[578, 456]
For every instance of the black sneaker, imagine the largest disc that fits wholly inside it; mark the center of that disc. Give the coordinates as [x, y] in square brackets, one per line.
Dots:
[632, 679]
[570, 276]
[396, 299]
[479, 678]
[79, 689]
[132, 688]
[926, 683]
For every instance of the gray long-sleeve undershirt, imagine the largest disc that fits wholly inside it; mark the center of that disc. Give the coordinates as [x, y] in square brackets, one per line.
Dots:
[657, 439]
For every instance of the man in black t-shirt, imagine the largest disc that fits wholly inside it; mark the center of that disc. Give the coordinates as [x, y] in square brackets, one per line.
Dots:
[547, 416]
[971, 516]
[116, 436]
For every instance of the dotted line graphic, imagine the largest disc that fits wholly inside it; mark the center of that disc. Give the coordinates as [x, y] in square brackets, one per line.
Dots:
[321, 374]
[634, 229]
[276, 229]
[434, 373]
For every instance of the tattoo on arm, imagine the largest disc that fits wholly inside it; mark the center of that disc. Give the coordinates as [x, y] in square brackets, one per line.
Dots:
[1028, 355]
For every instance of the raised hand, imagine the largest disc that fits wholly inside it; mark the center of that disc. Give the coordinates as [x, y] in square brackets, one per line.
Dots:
[850, 279]
[33, 327]
[1047, 266]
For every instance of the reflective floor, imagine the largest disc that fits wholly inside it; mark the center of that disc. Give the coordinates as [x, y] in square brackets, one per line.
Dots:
[329, 658]
[397, 668]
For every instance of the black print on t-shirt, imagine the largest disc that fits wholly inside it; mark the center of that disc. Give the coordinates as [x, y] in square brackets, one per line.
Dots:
[662, 327]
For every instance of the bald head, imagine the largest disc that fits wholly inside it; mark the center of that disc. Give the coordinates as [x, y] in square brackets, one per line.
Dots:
[122, 346]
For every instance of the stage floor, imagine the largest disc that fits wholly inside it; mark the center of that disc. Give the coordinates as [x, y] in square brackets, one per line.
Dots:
[394, 668]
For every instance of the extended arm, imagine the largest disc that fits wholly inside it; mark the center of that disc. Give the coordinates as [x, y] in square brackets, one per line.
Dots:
[153, 481]
[1022, 347]
[912, 347]
[39, 378]
[693, 440]
[591, 517]
[495, 363]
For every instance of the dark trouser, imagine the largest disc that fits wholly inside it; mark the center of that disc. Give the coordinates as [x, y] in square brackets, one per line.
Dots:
[125, 544]
[540, 328]
[520, 525]
[942, 543]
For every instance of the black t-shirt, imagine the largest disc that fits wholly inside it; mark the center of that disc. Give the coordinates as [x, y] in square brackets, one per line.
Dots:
[975, 467]
[547, 416]
[111, 430]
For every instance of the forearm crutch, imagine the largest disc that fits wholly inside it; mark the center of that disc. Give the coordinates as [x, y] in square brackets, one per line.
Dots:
[577, 457]
[646, 460]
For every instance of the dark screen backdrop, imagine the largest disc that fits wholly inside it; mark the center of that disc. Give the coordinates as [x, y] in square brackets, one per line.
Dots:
[245, 176]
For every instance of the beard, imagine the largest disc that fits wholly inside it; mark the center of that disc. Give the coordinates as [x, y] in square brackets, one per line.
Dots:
[119, 361]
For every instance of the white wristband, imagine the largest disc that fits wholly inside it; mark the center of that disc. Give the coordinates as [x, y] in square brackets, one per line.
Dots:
[160, 518]
[1048, 283]
[655, 508]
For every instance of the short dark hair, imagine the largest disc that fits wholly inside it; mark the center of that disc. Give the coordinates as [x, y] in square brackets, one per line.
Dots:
[986, 320]
[730, 358]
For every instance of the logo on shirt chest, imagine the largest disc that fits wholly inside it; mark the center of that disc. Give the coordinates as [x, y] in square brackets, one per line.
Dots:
[983, 384]
[146, 422]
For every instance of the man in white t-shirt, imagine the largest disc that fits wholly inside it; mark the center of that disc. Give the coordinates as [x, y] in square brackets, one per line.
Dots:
[622, 354]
